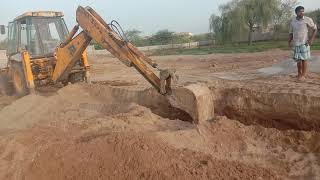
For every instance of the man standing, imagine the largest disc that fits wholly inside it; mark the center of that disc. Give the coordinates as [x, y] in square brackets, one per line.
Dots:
[301, 41]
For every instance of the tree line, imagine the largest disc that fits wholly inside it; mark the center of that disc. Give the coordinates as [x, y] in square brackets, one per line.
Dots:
[243, 17]
[238, 18]
[161, 37]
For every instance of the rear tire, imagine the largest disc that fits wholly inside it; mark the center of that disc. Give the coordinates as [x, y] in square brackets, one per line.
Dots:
[19, 80]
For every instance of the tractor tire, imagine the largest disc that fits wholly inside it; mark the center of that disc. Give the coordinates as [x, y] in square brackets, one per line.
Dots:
[19, 80]
[6, 86]
[77, 77]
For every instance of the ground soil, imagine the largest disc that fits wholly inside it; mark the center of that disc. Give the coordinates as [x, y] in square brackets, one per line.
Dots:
[119, 128]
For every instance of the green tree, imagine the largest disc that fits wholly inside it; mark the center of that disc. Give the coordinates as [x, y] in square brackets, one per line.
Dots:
[215, 27]
[238, 16]
[282, 14]
[163, 37]
[231, 21]
[134, 36]
[257, 14]
[181, 38]
[201, 37]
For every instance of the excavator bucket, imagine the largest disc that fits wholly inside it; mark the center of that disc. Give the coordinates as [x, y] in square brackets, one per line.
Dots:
[194, 99]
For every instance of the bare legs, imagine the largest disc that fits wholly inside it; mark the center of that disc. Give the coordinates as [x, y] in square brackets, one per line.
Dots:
[302, 69]
[299, 64]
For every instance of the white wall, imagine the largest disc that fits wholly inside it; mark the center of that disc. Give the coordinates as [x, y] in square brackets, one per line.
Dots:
[91, 50]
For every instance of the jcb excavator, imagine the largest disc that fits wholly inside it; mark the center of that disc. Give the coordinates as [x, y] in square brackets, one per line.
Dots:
[42, 52]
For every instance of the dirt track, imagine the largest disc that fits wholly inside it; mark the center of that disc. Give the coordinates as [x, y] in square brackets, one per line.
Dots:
[119, 128]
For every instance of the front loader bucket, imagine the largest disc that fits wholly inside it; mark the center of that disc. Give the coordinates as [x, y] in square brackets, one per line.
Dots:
[194, 99]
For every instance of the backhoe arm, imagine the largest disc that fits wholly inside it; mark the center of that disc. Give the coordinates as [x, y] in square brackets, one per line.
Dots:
[68, 53]
[94, 27]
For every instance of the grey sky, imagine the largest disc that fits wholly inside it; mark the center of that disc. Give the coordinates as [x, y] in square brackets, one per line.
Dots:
[148, 16]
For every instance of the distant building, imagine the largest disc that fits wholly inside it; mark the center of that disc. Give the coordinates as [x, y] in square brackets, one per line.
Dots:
[146, 37]
[184, 34]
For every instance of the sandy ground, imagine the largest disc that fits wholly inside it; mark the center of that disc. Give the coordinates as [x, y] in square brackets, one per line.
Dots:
[267, 127]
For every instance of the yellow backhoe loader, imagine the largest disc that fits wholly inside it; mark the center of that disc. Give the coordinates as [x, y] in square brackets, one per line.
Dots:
[42, 52]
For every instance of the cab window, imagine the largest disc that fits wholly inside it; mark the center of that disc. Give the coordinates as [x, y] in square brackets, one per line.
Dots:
[12, 38]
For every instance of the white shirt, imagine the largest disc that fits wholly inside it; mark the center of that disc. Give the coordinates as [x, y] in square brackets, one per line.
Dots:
[299, 29]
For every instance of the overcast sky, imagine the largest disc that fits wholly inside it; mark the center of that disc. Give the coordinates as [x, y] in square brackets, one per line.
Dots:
[148, 16]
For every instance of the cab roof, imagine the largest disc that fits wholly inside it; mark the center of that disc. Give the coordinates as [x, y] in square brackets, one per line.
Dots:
[40, 14]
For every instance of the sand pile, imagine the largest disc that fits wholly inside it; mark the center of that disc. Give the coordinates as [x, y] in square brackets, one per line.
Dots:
[112, 155]
[100, 132]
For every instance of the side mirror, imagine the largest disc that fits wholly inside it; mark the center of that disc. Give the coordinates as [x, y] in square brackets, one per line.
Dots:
[2, 29]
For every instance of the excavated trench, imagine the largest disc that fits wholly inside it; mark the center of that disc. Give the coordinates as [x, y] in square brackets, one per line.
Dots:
[271, 109]
[251, 107]
[149, 98]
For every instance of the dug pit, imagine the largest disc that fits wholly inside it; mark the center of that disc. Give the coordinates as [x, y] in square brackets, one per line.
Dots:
[272, 107]
[282, 106]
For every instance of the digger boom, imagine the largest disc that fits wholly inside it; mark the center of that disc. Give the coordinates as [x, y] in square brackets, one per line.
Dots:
[94, 27]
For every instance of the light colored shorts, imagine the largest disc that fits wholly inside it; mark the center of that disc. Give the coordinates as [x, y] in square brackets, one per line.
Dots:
[301, 52]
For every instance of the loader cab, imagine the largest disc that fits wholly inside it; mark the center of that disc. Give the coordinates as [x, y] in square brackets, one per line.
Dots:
[39, 33]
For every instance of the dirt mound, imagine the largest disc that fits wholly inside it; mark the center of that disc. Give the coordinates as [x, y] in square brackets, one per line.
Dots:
[69, 103]
[108, 155]
[97, 131]
[5, 101]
